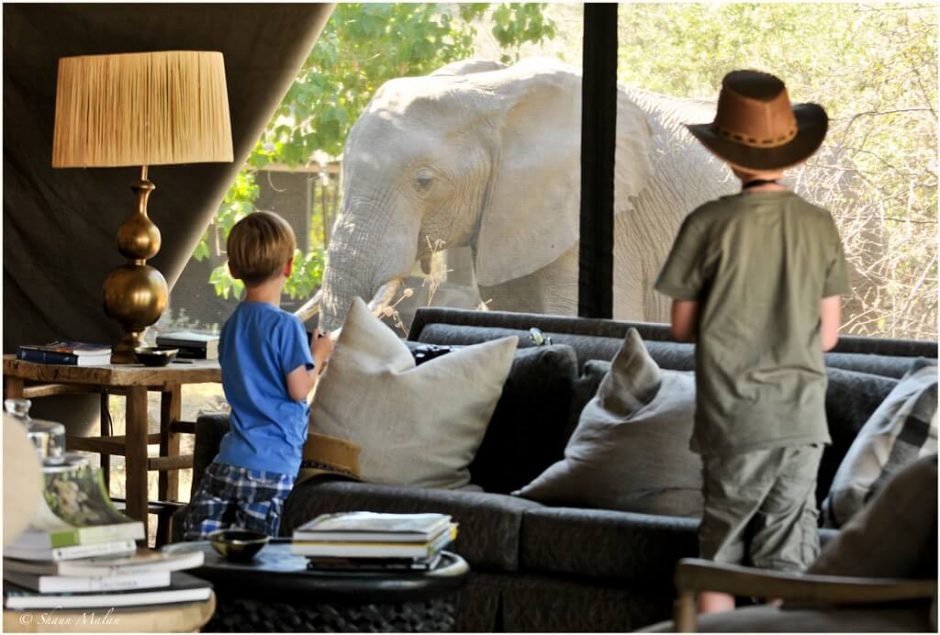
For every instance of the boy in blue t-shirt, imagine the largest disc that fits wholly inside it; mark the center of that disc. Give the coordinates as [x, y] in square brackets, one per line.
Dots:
[268, 369]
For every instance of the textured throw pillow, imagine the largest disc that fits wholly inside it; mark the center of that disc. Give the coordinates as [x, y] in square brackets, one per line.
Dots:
[903, 428]
[630, 450]
[416, 425]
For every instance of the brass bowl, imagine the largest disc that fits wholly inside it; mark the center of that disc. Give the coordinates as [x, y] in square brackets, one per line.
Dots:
[237, 544]
[155, 355]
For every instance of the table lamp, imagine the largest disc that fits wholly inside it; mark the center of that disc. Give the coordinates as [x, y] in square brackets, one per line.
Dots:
[140, 109]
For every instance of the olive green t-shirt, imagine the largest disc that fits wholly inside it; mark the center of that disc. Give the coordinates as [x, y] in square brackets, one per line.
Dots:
[758, 263]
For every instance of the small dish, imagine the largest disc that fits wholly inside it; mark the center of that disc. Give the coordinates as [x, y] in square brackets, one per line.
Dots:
[237, 544]
[155, 355]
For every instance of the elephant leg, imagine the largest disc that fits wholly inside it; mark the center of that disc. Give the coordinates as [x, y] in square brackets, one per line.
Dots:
[553, 289]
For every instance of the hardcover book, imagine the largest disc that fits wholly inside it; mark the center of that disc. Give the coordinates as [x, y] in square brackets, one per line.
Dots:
[191, 345]
[76, 552]
[65, 352]
[375, 549]
[143, 561]
[372, 526]
[182, 588]
[86, 584]
[79, 349]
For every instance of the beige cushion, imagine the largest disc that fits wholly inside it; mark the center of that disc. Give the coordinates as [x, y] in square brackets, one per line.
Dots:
[630, 451]
[416, 425]
[903, 428]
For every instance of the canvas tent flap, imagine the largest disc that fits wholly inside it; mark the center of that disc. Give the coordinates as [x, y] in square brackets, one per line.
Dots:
[59, 225]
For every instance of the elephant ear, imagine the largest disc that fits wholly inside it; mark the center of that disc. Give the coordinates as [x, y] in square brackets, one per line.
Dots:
[532, 213]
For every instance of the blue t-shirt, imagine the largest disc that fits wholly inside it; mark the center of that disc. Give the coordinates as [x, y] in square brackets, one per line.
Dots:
[259, 346]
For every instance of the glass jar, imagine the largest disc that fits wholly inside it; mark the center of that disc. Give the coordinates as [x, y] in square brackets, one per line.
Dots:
[47, 436]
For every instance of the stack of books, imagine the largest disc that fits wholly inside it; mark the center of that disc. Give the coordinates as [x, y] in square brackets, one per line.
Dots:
[80, 552]
[374, 541]
[66, 352]
[191, 345]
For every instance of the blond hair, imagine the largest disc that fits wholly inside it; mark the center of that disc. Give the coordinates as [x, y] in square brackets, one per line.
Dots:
[259, 246]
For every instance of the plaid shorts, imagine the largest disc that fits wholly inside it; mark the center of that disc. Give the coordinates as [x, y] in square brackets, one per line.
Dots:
[230, 496]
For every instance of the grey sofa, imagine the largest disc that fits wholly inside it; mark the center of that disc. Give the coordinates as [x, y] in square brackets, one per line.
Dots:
[541, 568]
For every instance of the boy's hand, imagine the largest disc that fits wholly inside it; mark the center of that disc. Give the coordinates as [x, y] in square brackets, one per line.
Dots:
[321, 347]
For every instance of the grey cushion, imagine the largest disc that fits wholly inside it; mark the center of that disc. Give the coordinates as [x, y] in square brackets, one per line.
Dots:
[489, 524]
[622, 546]
[902, 428]
[895, 536]
[526, 432]
[630, 451]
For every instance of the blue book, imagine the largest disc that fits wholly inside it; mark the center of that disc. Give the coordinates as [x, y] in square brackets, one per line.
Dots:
[52, 357]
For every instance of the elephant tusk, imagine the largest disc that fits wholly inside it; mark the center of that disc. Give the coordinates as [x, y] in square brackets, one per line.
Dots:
[384, 296]
[310, 308]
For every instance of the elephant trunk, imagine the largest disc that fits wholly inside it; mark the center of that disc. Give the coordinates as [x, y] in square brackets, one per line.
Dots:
[365, 261]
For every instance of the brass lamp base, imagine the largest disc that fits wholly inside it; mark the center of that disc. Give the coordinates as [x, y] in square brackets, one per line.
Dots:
[135, 294]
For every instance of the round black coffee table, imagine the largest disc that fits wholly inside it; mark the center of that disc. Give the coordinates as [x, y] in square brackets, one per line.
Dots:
[275, 592]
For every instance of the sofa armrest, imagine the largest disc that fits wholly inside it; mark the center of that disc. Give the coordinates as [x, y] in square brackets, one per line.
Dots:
[693, 575]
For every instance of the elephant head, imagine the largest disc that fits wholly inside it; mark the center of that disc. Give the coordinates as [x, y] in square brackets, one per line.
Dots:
[473, 155]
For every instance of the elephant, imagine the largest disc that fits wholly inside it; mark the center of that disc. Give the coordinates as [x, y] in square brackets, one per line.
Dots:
[484, 155]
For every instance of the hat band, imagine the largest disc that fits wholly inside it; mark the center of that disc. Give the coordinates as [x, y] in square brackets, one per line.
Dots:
[753, 142]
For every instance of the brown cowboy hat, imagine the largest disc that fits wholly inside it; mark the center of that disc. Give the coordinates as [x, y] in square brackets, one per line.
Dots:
[756, 128]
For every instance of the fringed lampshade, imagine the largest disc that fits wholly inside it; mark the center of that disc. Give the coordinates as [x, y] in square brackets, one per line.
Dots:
[140, 109]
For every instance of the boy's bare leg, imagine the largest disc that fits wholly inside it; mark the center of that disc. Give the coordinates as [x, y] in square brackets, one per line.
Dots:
[715, 602]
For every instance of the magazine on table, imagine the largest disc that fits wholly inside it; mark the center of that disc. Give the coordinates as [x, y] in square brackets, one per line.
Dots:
[76, 510]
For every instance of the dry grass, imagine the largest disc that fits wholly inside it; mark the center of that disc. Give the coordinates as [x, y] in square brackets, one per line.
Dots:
[196, 398]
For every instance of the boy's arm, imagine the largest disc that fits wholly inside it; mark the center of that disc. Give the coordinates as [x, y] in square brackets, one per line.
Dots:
[684, 320]
[301, 380]
[830, 318]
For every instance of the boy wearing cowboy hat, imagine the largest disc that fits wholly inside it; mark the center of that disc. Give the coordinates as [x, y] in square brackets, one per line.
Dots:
[755, 279]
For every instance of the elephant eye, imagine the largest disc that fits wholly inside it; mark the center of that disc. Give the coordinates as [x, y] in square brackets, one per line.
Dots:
[423, 180]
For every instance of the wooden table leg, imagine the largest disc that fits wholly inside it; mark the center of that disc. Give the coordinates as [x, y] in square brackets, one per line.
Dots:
[135, 457]
[12, 387]
[171, 410]
[105, 419]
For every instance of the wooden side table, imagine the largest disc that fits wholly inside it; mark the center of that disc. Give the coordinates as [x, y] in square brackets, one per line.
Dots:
[31, 380]
[162, 618]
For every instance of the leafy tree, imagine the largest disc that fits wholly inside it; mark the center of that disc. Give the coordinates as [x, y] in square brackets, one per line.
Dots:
[362, 46]
[873, 67]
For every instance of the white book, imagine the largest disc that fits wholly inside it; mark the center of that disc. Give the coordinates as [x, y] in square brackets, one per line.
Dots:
[372, 527]
[69, 553]
[183, 588]
[69, 584]
[143, 561]
[373, 549]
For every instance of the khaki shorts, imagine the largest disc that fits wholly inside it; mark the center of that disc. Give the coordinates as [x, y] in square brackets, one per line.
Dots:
[760, 508]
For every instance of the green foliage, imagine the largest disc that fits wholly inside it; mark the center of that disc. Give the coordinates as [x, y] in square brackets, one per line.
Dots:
[362, 47]
[873, 67]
